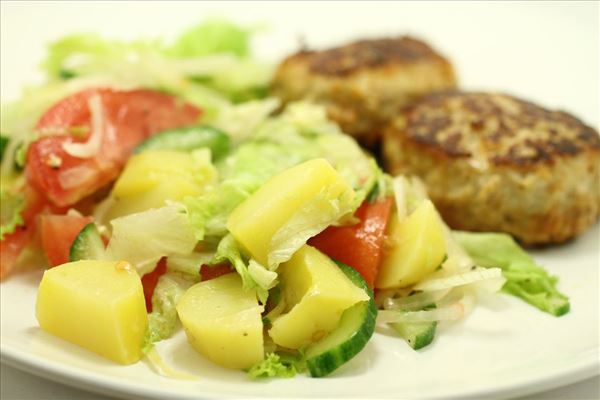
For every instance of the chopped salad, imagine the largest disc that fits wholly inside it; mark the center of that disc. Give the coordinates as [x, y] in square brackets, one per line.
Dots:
[166, 190]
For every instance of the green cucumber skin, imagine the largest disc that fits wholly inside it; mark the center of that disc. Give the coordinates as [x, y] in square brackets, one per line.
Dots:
[418, 334]
[325, 363]
[366, 313]
[88, 244]
[188, 139]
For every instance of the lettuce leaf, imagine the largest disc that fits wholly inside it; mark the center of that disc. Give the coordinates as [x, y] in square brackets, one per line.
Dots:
[525, 278]
[162, 321]
[144, 238]
[3, 144]
[229, 250]
[212, 37]
[206, 62]
[274, 366]
[242, 173]
[308, 221]
[302, 132]
[11, 207]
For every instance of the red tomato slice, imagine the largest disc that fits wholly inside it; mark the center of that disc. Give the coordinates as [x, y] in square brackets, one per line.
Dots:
[129, 118]
[208, 272]
[360, 245]
[150, 280]
[12, 244]
[58, 233]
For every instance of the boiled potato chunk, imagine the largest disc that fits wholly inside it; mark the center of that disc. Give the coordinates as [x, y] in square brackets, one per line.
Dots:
[98, 305]
[316, 293]
[418, 248]
[155, 176]
[223, 322]
[254, 222]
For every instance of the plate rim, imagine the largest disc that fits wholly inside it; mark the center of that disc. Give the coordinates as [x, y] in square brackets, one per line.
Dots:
[585, 367]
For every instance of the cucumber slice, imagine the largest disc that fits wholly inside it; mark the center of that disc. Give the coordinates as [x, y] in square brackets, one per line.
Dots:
[188, 139]
[416, 334]
[349, 338]
[88, 245]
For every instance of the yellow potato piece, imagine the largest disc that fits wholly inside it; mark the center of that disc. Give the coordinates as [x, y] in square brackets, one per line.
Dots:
[316, 293]
[98, 305]
[223, 322]
[155, 176]
[254, 222]
[418, 248]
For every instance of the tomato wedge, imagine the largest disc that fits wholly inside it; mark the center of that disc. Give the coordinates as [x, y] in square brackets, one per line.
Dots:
[360, 245]
[125, 119]
[150, 280]
[208, 272]
[58, 234]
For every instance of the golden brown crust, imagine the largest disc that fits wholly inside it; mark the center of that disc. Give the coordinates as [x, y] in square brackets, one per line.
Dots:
[364, 84]
[499, 128]
[368, 54]
[495, 163]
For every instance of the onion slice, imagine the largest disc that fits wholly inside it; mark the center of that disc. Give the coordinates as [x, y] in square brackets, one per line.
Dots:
[99, 126]
[399, 186]
[474, 275]
[449, 313]
[416, 301]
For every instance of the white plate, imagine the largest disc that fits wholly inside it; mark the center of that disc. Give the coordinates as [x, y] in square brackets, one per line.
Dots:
[547, 53]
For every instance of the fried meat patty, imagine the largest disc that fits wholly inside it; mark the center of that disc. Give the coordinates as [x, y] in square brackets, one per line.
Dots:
[492, 162]
[364, 84]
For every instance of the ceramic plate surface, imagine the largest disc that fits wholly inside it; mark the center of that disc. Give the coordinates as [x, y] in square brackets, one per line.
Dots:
[545, 52]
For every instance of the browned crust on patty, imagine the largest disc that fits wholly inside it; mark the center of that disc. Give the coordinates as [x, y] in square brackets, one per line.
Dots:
[367, 54]
[364, 84]
[497, 127]
[492, 162]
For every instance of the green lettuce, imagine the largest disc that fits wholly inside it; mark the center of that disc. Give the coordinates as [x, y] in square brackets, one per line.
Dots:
[212, 37]
[228, 250]
[207, 61]
[3, 144]
[241, 174]
[11, 207]
[525, 279]
[302, 132]
[274, 366]
[162, 321]
[311, 219]
[144, 238]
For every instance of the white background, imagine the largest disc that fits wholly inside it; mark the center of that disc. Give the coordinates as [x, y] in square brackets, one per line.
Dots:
[542, 51]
